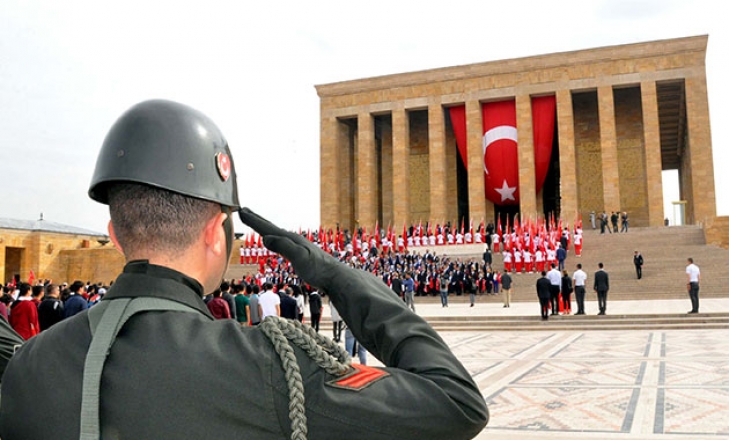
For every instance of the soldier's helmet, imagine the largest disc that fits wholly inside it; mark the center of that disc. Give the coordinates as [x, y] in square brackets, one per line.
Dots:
[167, 145]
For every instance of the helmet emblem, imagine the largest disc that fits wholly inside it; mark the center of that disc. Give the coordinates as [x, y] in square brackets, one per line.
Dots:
[223, 163]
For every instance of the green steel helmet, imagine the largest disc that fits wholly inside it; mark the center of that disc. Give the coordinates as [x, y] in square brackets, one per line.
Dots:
[167, 145]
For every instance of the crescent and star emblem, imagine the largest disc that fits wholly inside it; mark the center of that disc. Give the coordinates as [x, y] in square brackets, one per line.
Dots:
[506, 192]
[497, 133]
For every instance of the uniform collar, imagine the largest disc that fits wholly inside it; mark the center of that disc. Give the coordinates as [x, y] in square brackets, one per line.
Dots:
[142, 279]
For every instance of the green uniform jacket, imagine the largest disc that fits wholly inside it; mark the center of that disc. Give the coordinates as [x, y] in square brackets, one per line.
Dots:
[177, 375]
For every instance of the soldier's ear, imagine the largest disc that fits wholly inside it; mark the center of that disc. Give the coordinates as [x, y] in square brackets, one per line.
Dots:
[112, 236]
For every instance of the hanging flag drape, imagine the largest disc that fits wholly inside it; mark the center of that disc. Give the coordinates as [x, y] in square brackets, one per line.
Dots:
[500, 148]
[458, 121]
[543, 112]
[501, 165]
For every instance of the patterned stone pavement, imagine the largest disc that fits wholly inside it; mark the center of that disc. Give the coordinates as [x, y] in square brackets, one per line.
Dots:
[583, 384]
[601, 384]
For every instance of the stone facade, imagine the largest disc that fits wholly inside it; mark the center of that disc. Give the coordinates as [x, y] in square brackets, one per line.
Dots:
[63, 257]
[47, 254]
[612, 115]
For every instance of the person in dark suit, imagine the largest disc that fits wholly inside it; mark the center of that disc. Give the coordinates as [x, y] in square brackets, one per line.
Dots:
[288, 303]
[638, 262]
[544, 287]
[601, 286]
[487, 257]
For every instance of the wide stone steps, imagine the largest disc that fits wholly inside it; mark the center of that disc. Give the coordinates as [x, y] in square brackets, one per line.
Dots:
[572, 322]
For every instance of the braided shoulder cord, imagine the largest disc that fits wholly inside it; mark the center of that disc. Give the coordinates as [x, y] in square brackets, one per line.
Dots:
[325, 352]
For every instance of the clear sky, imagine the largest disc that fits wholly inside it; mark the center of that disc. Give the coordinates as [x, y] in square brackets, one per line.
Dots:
[69, 68]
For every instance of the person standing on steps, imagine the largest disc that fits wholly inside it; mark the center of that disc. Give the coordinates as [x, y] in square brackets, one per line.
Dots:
[579, 278]
[544, 293]
[566, 292]
[555, 279]
[506, 283]
[693, 275]
[638, 262]
[601, 287]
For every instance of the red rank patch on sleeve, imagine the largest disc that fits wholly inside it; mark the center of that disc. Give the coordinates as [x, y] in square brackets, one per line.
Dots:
[359, 378]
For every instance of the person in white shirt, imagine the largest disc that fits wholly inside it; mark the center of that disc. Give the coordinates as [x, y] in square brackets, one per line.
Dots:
[507, 261]
[580, 277]
[693, 275]
[555, 281]
[269, 303]
[459, 238]
[539, 258]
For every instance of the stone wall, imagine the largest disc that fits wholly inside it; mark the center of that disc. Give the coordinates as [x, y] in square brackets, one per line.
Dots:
[588, 157]
[40, 252]
[64, 257]
[716, 231]
[631, 156]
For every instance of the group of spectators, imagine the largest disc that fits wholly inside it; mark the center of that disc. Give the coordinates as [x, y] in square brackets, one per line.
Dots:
[30, 309]
[525, 248]
[610, 223]
[409, 270]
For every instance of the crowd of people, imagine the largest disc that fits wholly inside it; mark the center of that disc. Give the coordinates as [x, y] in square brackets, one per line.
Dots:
[411, 267]
[406, 263]
[32, 308]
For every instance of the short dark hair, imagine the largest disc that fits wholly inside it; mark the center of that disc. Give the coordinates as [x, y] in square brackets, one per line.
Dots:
[224, 286]
[579, 265]
[76, 286]
[544, 272]
[690, 260]
[50, 287]
[599, 265]
[23, 289]
[37, 291]
[151, 218]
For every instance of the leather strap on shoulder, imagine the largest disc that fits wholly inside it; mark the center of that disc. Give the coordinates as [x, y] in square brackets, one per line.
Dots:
[105, 320]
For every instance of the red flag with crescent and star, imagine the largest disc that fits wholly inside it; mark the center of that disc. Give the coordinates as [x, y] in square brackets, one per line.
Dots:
[500, 154]
[499, 145]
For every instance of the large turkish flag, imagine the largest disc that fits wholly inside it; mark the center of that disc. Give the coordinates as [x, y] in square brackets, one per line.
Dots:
[500, 155]
[500, 147]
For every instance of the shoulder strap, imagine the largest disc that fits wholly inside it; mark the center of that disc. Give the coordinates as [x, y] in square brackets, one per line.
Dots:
[106, 320]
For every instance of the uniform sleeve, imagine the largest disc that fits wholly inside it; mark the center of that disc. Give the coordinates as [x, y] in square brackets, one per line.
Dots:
[427, 393]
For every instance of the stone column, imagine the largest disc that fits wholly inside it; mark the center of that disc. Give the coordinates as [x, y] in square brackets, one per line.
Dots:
[567, 158]
[2, 267]
[652, 145]
[702, 196]
[437, 159]
[527, 177]
[609, 146]
[329, 174]
[366, 172]
[476, 191]
[400, 167]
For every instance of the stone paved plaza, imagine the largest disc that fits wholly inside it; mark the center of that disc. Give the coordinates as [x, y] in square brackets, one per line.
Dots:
[631, 384]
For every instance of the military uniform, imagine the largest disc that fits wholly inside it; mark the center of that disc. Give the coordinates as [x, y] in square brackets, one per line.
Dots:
[201, 378]
[174, 372]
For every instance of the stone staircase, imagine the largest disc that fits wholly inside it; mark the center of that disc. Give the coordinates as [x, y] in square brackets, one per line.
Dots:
[664, 251]
[571, 322]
